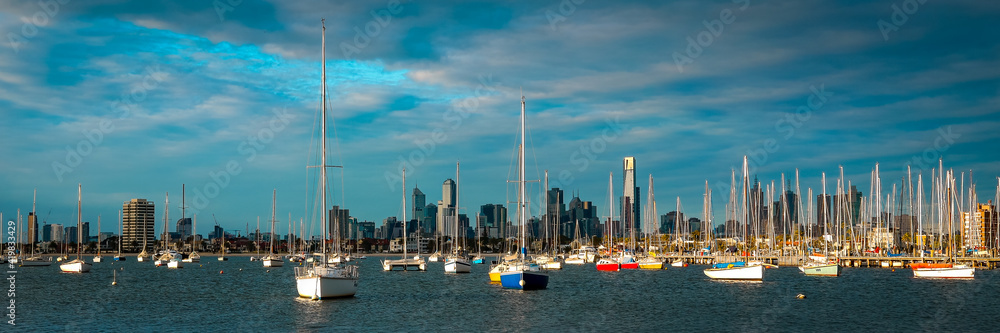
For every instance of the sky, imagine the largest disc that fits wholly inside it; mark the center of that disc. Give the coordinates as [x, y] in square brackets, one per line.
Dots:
[133, 99]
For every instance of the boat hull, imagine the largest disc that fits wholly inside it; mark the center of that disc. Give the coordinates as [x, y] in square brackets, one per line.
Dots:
[552, 265]
[630, 265]
[963, 272]
[404, 264]
[457, 266]
[273, 263]
[575, 261]
[651, 265]
[175, 264]
[33, 263]
[495, 272]
[326, 282]
[524, 280]
[745, 273]
[98, 259]
[75, 266]
[608, 266]
[821, 270]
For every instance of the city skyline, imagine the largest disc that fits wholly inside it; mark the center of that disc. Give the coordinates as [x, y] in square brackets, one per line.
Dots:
[135, 99]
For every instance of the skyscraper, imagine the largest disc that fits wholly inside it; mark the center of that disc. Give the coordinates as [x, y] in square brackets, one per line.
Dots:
[138, 224]
[183, 227]
[446, 206]
[630, 199]
[32, 228]
[418, 204]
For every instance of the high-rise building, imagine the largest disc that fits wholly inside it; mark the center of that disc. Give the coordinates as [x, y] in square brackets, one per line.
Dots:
[419, 201]
[57, 232]
[47, 233]
[630, 199]
[138, 225]
[218, 232]
[71, 235]
[446, 206]
[183, 227]
[584, 213]
[494, 216]
[32, 228]
[339, 221]
[85, 232]
[430, 219]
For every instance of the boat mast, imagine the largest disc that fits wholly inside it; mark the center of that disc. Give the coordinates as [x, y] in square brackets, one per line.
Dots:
[270, 240]
[166, 221]
[406, 233]
[322, 168]
[79, 220]
[454, 241]
[522, 207]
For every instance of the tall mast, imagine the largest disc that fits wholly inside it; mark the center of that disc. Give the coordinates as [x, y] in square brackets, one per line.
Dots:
[166, 221]
[521, 192]
[270, 241]
[454, 242]
[322, 168]
[405, 229]
[79, 220]
[548, 219]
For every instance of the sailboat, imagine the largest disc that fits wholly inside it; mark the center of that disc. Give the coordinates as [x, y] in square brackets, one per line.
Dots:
[119, 256]
[456, 262]
[650, 261]
[33, 260]
[98, 258]
[222, 257]
[739, 270]
[521, 273]
[823, 267]
[193, 256]
[947, 270]
[321, 279]
[142, 255]
[272, 259]
[549, 261]
[405, 262]
[609, 263]
[77, 265]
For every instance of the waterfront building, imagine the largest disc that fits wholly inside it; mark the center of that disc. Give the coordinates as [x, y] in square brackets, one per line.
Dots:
[631, 207]
[138, 224]
[183, 228]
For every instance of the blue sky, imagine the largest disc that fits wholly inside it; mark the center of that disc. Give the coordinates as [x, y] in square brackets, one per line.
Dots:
[133, 99]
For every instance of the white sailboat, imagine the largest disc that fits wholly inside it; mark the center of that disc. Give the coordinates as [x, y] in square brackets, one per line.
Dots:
[456, 262]
[118, 256]
[321, 279]
[823, 266]
[192, 257]
[77, 265]
[947, 270]
[142, 254]
[405, 263]
[98, 258]
[272, 259]
[739, 270]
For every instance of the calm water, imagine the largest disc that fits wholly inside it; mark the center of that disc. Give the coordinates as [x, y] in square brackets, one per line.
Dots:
[249, 297]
